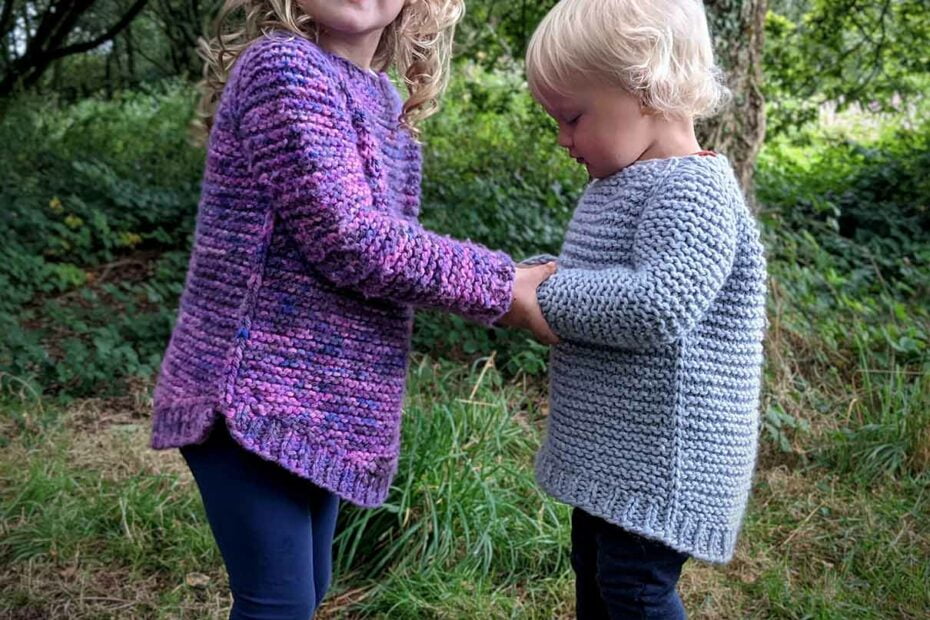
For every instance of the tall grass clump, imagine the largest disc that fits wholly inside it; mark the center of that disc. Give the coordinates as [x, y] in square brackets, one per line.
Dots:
[464, 502]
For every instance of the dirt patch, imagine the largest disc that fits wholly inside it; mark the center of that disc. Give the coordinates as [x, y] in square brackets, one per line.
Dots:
[49, 589]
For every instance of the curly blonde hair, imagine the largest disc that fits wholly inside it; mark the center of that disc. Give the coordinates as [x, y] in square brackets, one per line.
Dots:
[418, 44]
[659, 51]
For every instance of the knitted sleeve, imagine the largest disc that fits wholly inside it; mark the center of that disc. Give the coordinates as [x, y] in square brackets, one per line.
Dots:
[683, 250]
[297, 133]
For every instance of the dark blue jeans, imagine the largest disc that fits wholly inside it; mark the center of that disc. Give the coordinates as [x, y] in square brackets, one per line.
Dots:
[274, 529]
[619, 574]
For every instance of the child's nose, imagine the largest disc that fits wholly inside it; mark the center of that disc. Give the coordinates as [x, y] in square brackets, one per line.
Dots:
[564, 139]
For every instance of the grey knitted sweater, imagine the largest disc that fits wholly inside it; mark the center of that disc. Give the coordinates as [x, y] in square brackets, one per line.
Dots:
[659, 302]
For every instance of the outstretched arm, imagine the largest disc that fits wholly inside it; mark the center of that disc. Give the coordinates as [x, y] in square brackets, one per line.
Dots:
[683, 251]
[298, 134]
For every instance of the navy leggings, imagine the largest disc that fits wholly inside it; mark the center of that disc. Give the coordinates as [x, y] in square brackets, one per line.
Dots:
[274, 529]
[619, 574]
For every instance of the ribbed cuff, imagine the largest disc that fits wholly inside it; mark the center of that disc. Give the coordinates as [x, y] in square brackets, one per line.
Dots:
[539, 259]
[182, 422]
[495, 291]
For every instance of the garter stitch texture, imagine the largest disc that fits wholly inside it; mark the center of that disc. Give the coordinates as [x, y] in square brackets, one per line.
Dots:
[308, 259]
[659, 302]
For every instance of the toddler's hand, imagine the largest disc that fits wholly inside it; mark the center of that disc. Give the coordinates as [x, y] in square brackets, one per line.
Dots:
[524, 311]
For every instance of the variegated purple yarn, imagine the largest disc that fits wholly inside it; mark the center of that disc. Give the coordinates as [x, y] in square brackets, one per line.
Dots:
[308, 260]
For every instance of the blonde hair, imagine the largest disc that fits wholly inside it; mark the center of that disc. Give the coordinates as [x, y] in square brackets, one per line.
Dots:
[418, 44]
[657, 50]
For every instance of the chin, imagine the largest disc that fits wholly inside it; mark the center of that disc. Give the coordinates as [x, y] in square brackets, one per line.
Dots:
[600, 173]
[346, 16]
[346, 23]
[604, 167]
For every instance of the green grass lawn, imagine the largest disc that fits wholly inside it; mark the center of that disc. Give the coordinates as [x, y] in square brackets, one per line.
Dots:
[96, 525]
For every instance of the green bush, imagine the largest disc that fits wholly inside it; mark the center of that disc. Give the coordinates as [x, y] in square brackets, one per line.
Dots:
[101, 186]
[848, 232]
[97, 192]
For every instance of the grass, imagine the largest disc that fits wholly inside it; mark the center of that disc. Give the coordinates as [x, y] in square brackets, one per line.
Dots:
[891, 436]
[95, 525]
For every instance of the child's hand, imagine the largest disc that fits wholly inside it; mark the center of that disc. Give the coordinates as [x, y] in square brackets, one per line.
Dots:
[524, 312]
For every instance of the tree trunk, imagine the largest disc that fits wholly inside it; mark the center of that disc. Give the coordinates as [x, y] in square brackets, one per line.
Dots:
[130, 56]
[738, 30]
[108, 76]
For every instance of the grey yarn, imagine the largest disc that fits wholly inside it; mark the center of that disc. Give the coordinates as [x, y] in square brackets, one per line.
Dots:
[659, 302]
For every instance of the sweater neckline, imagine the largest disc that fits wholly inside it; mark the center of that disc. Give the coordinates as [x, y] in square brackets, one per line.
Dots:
[352, 70]
[650, 166]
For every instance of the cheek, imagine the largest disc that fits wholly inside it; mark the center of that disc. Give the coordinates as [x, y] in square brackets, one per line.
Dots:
[595, 141]
[307, 6]
[617, 136]
[389, 10]
[581, 135]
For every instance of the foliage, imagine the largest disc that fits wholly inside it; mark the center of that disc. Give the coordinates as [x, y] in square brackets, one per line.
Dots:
[846, 52]
[105, 188]
[34, 34]
[495, 33]
[97, 192]
[848, 230]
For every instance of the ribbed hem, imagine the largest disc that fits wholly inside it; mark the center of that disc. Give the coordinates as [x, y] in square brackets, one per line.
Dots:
[649, 517]
[273, 438]
[182, 423]
[190, 421]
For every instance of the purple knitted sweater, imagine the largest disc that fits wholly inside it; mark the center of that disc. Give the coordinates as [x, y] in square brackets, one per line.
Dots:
[308, 259]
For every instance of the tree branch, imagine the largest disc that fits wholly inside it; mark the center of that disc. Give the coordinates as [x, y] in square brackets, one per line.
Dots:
[77, 48]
